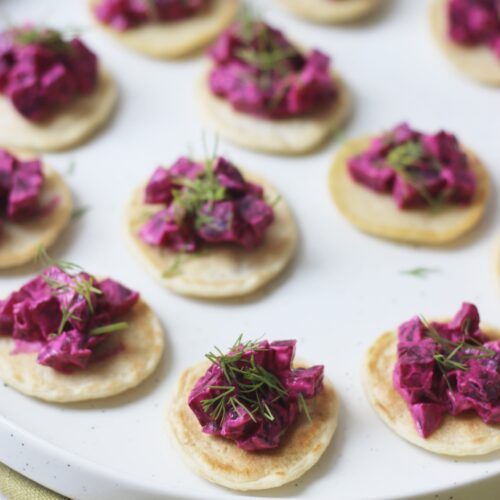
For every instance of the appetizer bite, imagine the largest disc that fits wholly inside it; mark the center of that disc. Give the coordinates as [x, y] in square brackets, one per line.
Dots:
[468, 32]
[206, 229]
[332, 11]
[263, 92]
[251, 419]
[67, 336]
[35, 207]
[437, 384]
[53, 94]
[164, 28]
[410, 186]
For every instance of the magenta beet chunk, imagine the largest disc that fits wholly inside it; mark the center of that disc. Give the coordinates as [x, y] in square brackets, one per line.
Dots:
[474, 22]
[223, 224]
[313, 87]
[184, 167]
[295, 86]
[305, 381]
[283, 352]
[411, 331]
[228, 175]
[122, 14]
[237, 425]
[118, 299]
[163, 230]
[159, 187]
[7, 166]
[35, 320]
[201, 391]
[368, 172]
[27, 181]
[23, 90]
[427, 417]
[58, 86]
[468, 315]
[84, 66]
[65, 352]
[257, 213]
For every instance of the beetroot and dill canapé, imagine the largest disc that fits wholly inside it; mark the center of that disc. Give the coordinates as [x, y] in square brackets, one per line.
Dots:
[67, 316]
[41, 71]
[260, 72]
[122, 15]
[447, 369]
[252, 394]
[205, 204]
[474, 23]
[418, 170]
[21, 182]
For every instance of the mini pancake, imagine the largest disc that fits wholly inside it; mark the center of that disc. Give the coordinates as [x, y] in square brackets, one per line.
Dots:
[221, 271]
[220, 461]
[141, 347]
[19, 241]
[331, 12]
[378, 214]
[478, 63]
[463, 435]
[294, 136]
[68, 127]
[177, 38]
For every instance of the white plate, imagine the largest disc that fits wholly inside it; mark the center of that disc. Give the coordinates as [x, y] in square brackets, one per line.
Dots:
[344, 289]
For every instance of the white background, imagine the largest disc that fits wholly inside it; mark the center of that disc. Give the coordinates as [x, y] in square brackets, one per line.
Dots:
[343, 290]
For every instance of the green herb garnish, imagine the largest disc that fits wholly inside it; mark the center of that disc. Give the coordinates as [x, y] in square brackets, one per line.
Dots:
[79, 212]
[248, 384]
[81, 285]
[452, 355]
[403, 158]
[420, 272]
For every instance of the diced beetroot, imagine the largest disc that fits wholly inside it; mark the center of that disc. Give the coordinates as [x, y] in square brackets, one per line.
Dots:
[261, 73]
[159, 188]
[122, 15]
[65, 352]
[118, 299]
[245, 422]
[42, 72]
[163, 230]
[425, 171]
[474, 22]
[470, 382]
[55, 314]
[237, 215]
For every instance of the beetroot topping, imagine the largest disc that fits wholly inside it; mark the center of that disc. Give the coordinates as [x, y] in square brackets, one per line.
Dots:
[66, 315]
[252, 395]
[475, 22]
[41, 72]
[122, 15]
[205, 204]
[261, 73]
[419, 170]
[448, 368]
[20, 186]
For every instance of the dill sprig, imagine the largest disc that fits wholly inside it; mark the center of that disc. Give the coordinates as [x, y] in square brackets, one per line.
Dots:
[420, 272]
[48, 37]
[81, 286]
[403, 158]
[453, 355]
[249, 384]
